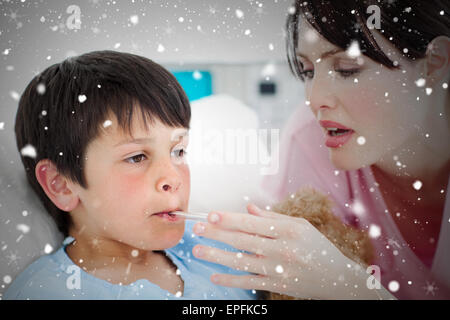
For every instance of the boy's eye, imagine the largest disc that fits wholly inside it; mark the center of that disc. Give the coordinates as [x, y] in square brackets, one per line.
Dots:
[135, 159]
[179, 153]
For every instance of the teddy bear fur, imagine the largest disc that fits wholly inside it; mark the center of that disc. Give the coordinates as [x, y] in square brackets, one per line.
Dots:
[316, 207]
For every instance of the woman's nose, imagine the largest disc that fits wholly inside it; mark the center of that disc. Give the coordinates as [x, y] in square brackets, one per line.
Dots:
[320, 94]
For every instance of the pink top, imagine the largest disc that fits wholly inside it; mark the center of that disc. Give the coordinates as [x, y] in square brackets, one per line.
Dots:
[304, 161]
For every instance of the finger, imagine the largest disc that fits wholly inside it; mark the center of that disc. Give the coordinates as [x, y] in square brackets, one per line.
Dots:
[247, 282]
[238, 240]
[236, 260]
[250, 224]
[257, 211]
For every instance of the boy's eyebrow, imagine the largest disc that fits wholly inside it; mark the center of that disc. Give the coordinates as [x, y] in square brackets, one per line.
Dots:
[135, 141]
[323, 55]
[180, 135]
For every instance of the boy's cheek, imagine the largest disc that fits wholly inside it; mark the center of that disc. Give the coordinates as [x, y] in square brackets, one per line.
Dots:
[186, 177]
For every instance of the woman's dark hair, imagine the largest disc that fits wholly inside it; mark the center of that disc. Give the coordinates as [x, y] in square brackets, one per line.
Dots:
[62, 110]
[407, 24]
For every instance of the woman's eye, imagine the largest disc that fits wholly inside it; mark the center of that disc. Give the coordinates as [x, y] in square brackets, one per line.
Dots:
[308, 74]
[345, 73]
[135, 159]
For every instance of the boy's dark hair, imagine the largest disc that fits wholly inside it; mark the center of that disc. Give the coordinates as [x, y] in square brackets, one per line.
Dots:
[59, 123]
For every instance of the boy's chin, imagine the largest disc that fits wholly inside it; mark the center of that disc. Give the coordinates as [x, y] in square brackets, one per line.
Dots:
[171, 237]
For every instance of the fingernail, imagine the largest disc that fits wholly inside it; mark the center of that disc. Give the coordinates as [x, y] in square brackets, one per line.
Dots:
[199, 228]
[199, 252]
[215, 278]
[258, 209]
[214, 218]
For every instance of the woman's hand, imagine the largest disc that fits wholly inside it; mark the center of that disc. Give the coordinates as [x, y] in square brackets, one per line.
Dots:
[286, 255]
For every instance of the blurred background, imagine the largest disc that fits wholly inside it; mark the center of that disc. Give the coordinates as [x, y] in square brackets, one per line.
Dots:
[213, 47]
[234, 47]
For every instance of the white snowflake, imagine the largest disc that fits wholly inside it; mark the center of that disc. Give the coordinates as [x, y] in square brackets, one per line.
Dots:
[311, 36]
[197, 75]
[48, 248]
[134, 19]
[239, 14]
[14, 95]
[279, 269]
[28, 151]
[7, 279]
[361, 140]
[417, 184]
[82, 98]
[12, 257]
[40, 88]
[353, 50]
[420, 82]
[358, 208]
[430, 288]
[374, 231]
[23, 227]
[394, 286]
[212, 10]
[393, 242]
[161, 48]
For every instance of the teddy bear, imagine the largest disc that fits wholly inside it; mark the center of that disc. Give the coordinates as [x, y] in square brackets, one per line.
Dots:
[316, 207]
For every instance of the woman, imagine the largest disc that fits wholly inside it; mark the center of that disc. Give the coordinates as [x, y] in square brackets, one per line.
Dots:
[379, 146]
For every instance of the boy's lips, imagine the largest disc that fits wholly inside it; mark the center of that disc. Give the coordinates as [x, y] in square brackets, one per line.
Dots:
[168, 211]
[167, 214]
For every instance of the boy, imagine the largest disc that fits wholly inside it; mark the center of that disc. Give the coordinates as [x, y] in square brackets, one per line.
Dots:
[109, 131]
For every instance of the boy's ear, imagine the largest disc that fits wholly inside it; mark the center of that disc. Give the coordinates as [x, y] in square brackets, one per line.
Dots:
[58, 188]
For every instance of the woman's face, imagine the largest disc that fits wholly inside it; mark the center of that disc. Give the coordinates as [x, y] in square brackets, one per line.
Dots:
[385, 108]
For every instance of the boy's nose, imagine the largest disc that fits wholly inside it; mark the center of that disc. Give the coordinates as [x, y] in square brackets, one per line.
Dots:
[168, 183]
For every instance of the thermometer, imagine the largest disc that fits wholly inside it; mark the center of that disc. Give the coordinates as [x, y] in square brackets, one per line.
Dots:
[198, 216]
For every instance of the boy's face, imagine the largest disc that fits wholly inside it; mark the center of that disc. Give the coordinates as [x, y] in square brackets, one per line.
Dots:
[129, 182]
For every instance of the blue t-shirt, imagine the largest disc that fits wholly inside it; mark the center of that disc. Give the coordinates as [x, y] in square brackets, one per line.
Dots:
[55, 276]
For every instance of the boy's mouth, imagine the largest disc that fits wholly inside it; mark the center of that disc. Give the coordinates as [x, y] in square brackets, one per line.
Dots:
[167, 214]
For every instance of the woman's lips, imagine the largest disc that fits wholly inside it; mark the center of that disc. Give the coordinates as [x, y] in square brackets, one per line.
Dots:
[332, 124]
[338, 141]
[337, 134]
